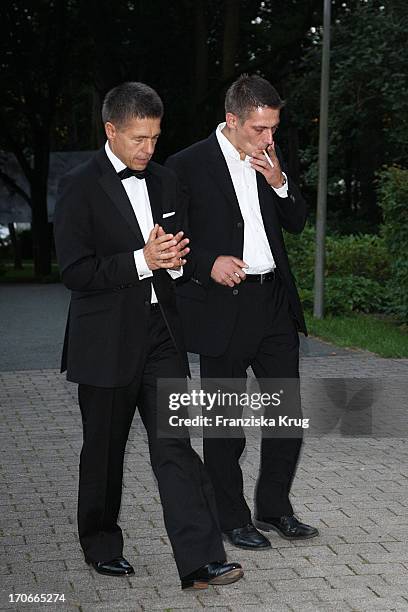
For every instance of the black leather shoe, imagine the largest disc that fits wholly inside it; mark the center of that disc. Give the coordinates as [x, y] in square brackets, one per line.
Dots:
[212, 573]
[247, 537]
[116, 567]
[288, 527]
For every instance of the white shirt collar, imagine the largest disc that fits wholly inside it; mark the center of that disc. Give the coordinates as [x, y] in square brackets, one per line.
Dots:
[115, 161]
[227, 147]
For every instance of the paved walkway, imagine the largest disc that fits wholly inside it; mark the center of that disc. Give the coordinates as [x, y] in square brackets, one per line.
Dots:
[354, 489]
[32, 323]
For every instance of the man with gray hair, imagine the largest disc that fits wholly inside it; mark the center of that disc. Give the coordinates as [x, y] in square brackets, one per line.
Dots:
[244, 296]
[119, 237]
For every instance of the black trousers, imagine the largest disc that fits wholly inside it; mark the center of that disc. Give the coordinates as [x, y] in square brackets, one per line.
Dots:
[266, 338]
[186, 493]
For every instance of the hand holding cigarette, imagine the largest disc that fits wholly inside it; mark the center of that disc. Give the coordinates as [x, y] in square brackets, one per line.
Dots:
[266, 162]
[268, 159]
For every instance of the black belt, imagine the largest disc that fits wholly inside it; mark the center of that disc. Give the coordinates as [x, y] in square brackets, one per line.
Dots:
[260, 278]
[154, 306]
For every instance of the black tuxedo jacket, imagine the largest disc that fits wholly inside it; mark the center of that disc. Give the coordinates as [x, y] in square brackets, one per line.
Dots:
[216, 227]
[96, 232]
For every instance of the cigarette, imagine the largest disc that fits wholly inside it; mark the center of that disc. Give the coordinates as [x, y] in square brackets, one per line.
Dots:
[268, 159]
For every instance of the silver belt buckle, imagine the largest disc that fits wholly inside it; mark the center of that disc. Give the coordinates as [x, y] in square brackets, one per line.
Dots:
[262, 278]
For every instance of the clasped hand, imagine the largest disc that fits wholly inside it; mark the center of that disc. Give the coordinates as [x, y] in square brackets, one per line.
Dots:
[165, 250]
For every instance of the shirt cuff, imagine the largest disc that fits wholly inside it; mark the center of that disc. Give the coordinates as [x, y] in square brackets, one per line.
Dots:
[142, 268]
[282, 192]
[176, 273]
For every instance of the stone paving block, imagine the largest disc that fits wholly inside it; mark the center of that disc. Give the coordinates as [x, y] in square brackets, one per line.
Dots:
[354, 490]
[392, 590]
[227, 596]
[315, 571]
[382, 604]
[112, 605]
[396, 547]
[357, 581]
[379, 568]
[386, 557]
[307, 552]
[136, 595]
[175, 604]
[396, 579]
[300, 584]
[288, 598]
[255, 575]
[82, 596]
[259, 608]
[346, 593]
[320, 607]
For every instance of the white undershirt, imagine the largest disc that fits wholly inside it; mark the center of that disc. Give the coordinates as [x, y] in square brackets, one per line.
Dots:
[257, 252]
[136, 190]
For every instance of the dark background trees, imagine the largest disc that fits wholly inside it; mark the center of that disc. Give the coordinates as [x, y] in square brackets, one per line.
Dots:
[59, 58]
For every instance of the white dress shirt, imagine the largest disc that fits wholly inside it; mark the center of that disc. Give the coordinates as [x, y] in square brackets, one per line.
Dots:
[257, 252]
[138, 195]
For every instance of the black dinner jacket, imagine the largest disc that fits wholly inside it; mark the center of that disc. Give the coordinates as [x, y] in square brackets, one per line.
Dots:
[216, 227]
[96, 233]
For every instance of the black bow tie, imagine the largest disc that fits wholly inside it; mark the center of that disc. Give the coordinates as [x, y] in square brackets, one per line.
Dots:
[128, 172]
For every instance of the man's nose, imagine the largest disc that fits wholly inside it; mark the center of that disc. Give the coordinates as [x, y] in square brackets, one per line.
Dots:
[149, 146]
[268, 137]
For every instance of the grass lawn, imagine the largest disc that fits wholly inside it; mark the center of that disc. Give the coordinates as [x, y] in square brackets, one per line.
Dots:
[8, 274]
[378, 335]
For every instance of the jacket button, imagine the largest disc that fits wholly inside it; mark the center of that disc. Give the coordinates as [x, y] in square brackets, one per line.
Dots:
[240, 224]
[147, 303]
[235, 292]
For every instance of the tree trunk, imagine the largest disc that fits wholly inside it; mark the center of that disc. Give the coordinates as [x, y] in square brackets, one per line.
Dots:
[293, 152]
[200, 77]
[15, 242]
[369, 160]
[41, 230]
[230, 41]
[201, 52]
[97, 134]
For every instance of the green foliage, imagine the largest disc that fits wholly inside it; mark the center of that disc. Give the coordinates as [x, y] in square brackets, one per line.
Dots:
[353, 293]
[393, 198]
[368, 105]
[363, 256]
[357, 269]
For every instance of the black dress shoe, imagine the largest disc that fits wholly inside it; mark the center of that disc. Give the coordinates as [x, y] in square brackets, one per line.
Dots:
[288, 527]
[212, 573]
[116, 567]
[247, 537]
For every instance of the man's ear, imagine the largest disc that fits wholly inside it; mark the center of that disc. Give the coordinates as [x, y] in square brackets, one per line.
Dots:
[110, 130]
[231, 121]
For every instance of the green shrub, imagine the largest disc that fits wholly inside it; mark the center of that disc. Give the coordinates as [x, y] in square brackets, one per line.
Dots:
[393, 199]
[364, 256]
[345, 294]
[357, 271]
[301, 252]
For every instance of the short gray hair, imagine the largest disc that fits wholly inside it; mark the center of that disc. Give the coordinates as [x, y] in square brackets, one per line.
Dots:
[249, 92]
[131, 100]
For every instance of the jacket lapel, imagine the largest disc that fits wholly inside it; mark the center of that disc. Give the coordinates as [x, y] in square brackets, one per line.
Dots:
[114, 189]
[154, 190]
[217, 166]
[266, 197]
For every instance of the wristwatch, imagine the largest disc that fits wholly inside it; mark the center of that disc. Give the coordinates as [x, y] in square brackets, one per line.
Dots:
[283, 184]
